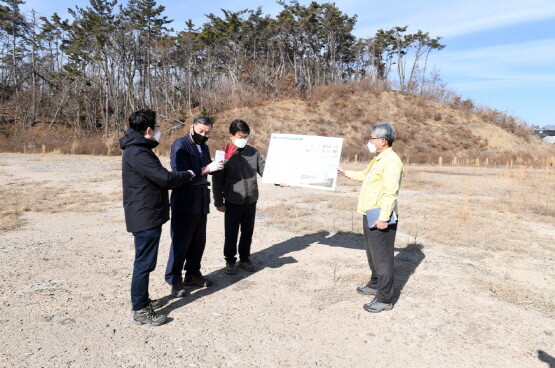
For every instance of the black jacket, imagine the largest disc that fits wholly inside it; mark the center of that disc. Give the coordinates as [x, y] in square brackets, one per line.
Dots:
[145, 183]
[237, 183]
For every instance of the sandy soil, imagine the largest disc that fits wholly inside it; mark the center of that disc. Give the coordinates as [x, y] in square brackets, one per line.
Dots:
[65, 274]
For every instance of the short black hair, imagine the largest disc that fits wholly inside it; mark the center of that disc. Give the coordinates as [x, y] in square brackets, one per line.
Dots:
[239, 126]
[142, 119]
[203, 120]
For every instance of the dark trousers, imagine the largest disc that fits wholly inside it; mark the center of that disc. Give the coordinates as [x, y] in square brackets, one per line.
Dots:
[379, 251]
[188, 232]
[238, 216]
[146, 254]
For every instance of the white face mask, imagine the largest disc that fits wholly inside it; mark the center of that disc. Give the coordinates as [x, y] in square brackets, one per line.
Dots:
[240, 142]
[157, 135]
[371, 147]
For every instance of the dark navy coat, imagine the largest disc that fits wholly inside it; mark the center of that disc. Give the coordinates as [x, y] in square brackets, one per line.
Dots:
[186, 156]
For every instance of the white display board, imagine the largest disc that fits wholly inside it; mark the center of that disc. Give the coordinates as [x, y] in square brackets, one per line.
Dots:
[303, 160]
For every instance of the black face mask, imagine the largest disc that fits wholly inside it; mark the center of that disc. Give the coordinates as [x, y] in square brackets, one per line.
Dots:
[197, 138]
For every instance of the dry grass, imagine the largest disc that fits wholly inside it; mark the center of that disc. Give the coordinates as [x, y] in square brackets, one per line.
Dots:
[347, 111]
[506, 289]
[20, 197]
[501, 220]
[303, 217]
[492, 217]
[60, 139]
[486, 191]
[488, 216]
[480, 212]
[451, 130]
[308, 212]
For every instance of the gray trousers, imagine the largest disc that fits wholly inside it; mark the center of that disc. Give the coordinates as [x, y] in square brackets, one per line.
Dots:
[379, 246]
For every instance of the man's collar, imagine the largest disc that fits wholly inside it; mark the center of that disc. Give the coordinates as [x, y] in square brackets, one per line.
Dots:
[384, 153]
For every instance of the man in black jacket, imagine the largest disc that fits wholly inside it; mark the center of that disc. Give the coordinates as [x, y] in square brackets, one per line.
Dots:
[236, 193]
[146, 205]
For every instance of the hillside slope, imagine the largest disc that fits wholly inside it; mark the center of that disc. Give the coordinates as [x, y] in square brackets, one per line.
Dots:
[426, 129]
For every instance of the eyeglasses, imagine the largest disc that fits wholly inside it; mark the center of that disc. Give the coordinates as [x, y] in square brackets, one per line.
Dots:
[371, 139]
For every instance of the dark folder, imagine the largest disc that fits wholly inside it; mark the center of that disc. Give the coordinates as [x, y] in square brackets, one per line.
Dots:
[197, 183]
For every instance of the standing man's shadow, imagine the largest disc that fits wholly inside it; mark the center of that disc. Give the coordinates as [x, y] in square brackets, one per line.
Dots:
[546, 358]
[271, 257]
[406, 262]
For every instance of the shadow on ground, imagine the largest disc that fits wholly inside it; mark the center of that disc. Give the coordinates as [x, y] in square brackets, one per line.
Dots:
[406, 261]
[546, 358]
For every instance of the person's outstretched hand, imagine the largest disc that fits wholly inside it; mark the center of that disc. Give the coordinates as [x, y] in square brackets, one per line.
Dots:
[215, 166]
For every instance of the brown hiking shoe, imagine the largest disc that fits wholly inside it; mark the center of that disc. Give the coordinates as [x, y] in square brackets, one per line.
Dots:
[147, 316]
[198, 281]
[247, 266]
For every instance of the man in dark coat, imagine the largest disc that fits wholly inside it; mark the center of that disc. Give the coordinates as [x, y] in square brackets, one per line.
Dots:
[190, 207]
[146, 206]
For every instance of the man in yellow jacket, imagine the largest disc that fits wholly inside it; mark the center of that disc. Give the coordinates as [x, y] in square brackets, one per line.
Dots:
[378, 197]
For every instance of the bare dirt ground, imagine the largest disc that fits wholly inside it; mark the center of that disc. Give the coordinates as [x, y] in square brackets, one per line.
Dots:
[474, 274]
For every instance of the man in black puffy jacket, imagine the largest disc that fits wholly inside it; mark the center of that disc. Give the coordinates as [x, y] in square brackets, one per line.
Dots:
[146, 205]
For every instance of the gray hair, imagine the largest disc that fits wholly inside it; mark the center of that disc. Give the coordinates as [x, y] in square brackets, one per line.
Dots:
[384, 130]
[203, 120]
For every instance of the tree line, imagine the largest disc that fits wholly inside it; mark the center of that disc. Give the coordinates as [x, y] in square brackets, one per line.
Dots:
[92, 70]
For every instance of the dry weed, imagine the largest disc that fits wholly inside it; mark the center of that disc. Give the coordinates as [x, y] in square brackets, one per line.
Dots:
[523, 296]
[293, 218]
[20, 197]
[314, 199]
[344, 110]
[304, 214]
[490, 216]
[487, 215]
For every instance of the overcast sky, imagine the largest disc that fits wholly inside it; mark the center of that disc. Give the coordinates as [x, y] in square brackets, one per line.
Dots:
[499, 53]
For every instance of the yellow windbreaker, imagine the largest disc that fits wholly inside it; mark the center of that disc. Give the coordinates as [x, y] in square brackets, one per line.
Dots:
[381, 182]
